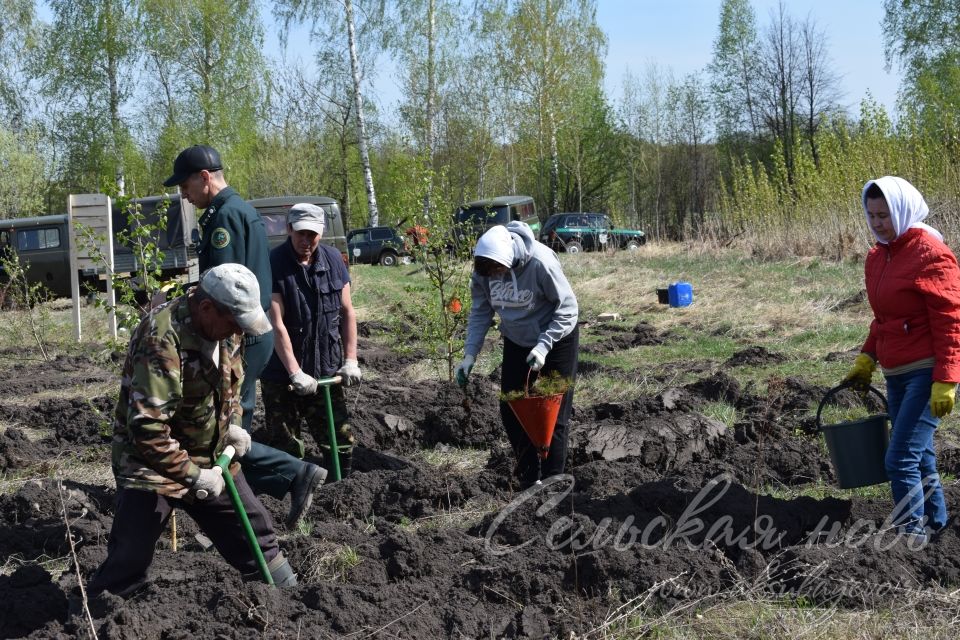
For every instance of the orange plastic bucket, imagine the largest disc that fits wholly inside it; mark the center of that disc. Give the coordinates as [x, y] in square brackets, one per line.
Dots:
[538, 417]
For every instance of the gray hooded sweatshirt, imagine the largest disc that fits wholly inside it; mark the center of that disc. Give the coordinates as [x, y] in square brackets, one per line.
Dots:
[536, 305]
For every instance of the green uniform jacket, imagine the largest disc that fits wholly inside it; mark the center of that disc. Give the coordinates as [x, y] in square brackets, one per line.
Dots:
[231, 230]
[175, 404]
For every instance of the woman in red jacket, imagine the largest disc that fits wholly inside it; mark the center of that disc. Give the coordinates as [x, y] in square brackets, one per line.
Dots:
[913, 285]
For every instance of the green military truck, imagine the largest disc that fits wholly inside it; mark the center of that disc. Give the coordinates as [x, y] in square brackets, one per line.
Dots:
[42, 242]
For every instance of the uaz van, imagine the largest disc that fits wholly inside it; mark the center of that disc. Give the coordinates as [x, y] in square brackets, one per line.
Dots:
[474, 218]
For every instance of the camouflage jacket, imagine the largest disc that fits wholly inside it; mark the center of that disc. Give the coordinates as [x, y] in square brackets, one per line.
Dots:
[175, 404]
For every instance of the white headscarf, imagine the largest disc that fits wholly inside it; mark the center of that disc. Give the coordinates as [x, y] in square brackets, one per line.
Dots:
[496, 244]
[906, 204]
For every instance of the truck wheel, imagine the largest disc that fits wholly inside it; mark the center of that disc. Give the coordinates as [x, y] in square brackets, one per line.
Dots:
[633, 245]
[388, 259]
[574, 247]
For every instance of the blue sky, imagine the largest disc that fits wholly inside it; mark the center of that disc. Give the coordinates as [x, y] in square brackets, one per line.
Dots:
[679, 34]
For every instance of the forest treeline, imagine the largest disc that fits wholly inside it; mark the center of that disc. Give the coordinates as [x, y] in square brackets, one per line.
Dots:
[497, 97]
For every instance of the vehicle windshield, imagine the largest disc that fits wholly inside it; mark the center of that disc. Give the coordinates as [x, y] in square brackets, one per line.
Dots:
[478, 215]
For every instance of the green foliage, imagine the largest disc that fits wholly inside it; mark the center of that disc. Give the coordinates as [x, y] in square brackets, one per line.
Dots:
[21, 190]
[439, 323]
[135, 293]
[17, 292]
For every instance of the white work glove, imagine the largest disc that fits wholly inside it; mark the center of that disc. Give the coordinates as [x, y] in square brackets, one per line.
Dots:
[303, 385]
[239, 438]
[350, 372]
[210, 481]
[462, 372]
[536, 358]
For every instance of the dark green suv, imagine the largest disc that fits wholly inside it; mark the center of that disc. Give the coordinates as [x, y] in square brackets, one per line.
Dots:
[576, 232]
[377, 245]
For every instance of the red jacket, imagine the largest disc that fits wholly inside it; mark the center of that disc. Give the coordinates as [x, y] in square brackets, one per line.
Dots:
[913, 285]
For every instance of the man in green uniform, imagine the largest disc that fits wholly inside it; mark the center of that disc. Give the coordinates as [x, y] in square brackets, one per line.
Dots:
[231, 231]
[178, 409]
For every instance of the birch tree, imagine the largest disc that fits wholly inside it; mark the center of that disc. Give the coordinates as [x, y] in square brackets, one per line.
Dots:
[88, 63]
[427, 50]
[208, 55]
[340, 17]
[733, 71]
[554, 49]
[18, 33]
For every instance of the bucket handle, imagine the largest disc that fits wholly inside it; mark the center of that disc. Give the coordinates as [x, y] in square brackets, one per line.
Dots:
[838, 388]
[526, 386]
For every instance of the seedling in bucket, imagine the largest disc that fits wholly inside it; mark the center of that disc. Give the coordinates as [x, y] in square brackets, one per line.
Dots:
[537, 408]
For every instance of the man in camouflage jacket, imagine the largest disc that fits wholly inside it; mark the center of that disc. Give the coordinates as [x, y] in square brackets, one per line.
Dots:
[177, 411]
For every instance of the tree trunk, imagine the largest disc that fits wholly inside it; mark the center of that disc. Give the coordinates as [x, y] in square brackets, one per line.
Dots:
[431, 90]
[374, 214]
[115, 123]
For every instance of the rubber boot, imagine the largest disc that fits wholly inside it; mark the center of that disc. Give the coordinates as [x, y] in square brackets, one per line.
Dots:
[281, 572]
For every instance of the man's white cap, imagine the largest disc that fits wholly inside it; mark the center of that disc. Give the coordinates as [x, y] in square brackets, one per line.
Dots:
[236, 288]
[306, 216]
[496, 244]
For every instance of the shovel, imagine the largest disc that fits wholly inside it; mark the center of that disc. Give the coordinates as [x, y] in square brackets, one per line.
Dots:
[223, 464]
[334, 451]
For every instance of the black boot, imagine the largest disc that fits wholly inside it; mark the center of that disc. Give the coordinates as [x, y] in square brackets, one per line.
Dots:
[308, 479]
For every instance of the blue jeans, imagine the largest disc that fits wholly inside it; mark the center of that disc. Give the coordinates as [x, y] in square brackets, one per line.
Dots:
[911, 462]
[268, 470]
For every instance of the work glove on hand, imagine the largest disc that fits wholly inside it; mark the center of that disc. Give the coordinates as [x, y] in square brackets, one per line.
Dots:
[536, 358]
[303, 385]
[861, 373]
[239, 438]
[350, 372]
[462, 372]
[211, 481]
[942, 396]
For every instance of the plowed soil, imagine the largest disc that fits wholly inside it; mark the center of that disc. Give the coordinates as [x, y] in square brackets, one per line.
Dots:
[662, 504]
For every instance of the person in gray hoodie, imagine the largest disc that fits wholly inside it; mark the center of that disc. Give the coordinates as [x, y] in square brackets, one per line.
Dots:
[521, 280]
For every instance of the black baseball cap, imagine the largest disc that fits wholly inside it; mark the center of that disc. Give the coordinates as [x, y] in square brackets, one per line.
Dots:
[193, 159]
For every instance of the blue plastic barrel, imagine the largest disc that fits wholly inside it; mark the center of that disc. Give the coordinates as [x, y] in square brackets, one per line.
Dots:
[680, 294]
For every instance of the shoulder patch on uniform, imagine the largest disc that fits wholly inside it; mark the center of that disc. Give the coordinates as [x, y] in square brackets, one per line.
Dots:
[220, 238]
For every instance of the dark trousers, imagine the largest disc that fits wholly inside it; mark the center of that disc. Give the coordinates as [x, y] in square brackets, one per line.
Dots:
[287, 414]
[268, 470]
[513, 377]
[142, 516]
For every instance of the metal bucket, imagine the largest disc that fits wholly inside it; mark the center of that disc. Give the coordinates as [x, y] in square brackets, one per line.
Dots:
[857, 447]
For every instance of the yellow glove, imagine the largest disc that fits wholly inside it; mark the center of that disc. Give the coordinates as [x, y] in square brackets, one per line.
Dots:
[862, 371]
[942, 396]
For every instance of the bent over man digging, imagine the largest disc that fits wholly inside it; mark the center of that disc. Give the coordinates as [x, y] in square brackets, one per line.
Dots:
[522, 281]
[179, 407]
[316, 337]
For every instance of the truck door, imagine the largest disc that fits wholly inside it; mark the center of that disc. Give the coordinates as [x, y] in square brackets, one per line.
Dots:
[360, 247]
[43, 252]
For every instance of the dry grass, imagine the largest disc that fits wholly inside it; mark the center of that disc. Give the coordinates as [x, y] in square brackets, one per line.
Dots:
[451, 460]
[89, 466]
[326, 561]
[758, 609]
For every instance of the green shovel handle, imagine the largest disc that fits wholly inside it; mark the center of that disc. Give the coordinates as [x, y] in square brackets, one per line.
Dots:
[326, 383]
[223, 463]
